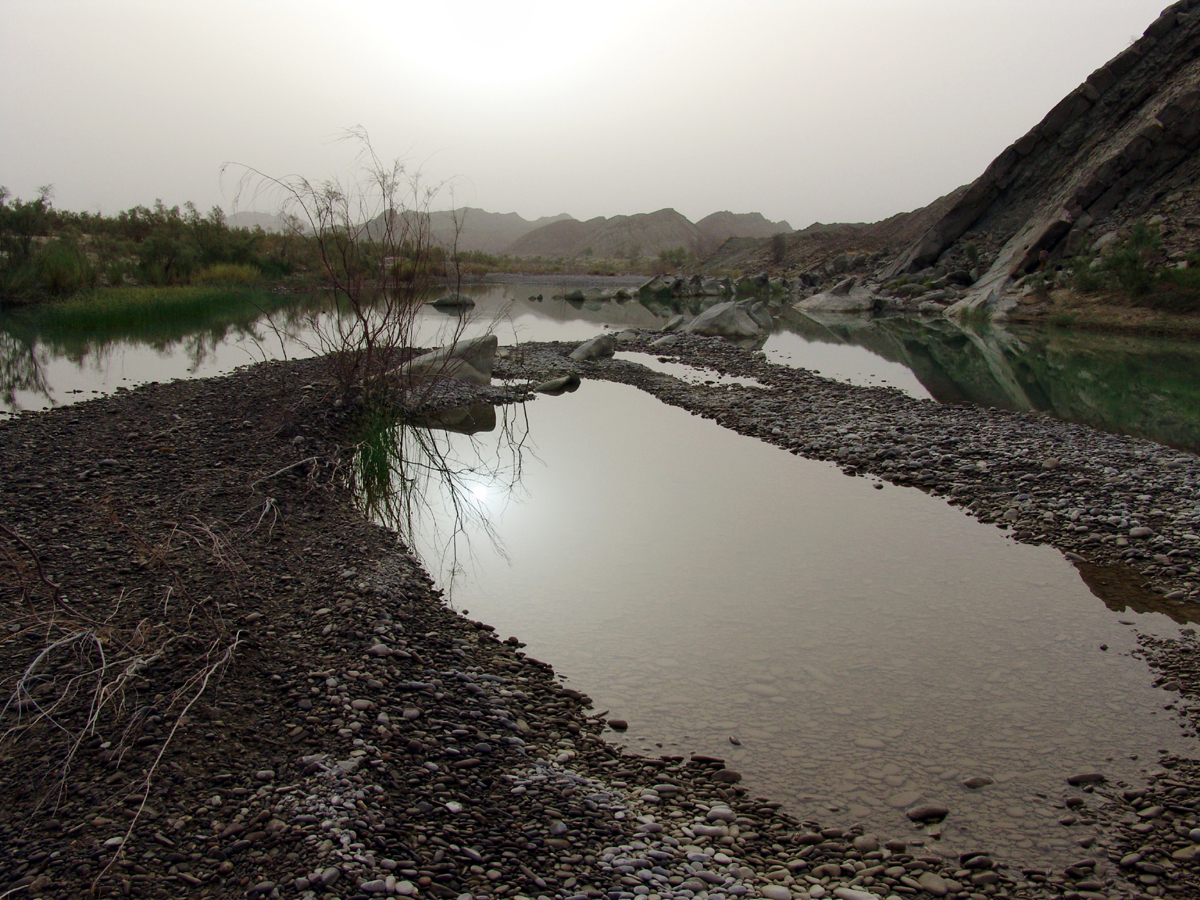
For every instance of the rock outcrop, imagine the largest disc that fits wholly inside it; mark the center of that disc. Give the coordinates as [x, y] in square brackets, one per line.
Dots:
[1121, 146]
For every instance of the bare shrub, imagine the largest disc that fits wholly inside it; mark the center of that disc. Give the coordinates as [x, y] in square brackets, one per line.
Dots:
[372, 235]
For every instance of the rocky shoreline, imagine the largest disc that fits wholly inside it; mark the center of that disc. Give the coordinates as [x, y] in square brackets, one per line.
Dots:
[362, 739]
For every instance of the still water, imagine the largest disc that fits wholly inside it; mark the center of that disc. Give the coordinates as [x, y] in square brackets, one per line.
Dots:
[866, 649]
[850, 650]
[1141, 386]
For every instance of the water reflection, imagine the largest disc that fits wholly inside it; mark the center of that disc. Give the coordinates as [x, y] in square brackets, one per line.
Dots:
[439, 480]
[866, 648]
[1142, 386]
[1146, 387]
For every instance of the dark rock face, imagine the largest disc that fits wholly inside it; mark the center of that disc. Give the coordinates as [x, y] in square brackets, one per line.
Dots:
[1120, 146]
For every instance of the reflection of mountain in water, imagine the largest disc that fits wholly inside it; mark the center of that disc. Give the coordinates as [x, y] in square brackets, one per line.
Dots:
[1140, 386]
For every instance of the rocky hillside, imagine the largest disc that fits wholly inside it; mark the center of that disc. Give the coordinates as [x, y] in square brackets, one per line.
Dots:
[641, 235]
[721, 226]
[485, 231]
[1120, 148]
[644, 235]
[838, 248]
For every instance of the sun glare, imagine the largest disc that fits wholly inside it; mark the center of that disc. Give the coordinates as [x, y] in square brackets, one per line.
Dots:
[488, 44]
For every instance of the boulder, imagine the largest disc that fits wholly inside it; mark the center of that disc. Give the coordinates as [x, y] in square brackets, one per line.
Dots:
[727, 319]
[847, 297]
[469, 360]
[560, 385]
[597, 348]
[453, 301]
[664, 286]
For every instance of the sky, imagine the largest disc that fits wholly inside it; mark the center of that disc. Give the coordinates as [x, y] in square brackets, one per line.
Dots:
[805, 110]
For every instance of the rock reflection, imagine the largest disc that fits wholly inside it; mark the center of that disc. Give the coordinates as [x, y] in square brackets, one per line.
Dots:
[1122, 591]
[1145, 387]
[411, 477]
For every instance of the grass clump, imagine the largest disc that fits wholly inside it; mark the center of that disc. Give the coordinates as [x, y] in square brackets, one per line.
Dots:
[228, 273]
[131, 307]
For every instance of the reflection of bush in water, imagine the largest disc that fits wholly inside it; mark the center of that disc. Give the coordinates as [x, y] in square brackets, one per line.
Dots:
[20, 370]
[413, 477]
[160, 318]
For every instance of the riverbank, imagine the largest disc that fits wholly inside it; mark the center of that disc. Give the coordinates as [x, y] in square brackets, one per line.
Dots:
[360, 730]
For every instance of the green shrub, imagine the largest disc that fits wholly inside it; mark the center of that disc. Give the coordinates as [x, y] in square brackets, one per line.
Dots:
[63, 268]
[1086, 278]
[1129, 260]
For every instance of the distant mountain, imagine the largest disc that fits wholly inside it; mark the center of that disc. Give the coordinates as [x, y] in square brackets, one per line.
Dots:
[485, 231]
[646, 234]
[720, 226]
[268, 222]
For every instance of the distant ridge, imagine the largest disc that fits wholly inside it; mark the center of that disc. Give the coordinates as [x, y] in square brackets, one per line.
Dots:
[645, 234]
[484, 231]
[721, 226]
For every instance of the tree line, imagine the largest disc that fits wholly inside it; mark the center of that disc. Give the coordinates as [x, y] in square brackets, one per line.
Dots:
[48, 251]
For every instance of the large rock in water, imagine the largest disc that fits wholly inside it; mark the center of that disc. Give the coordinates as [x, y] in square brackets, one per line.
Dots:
[597, 348]
[727, 319]
[847, 297]
[470, 360]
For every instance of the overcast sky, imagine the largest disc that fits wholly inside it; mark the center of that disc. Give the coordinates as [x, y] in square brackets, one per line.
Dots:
[809, 110]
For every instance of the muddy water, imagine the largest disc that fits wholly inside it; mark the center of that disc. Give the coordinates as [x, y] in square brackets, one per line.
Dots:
[866, 649]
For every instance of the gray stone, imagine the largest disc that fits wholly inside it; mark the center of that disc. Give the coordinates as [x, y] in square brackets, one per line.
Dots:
[453, 301]
[847, 297]
[928, 812]
[470, 361]
[977, 782]
[1086, 778]
[933, 883]
[726, 319]
[599, 347]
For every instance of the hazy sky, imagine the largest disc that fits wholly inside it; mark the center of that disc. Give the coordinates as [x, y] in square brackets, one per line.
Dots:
[809, 110]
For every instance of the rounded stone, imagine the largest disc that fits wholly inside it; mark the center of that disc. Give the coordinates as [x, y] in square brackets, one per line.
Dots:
[928, 812]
